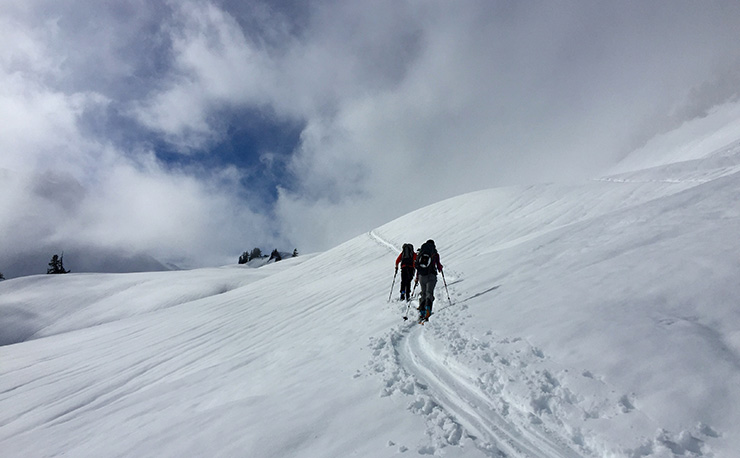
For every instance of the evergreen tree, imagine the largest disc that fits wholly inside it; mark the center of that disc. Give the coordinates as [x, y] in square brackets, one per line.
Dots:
[295, 253]
[255, 254]
[2, 277]
[276, 255]
[244, 258]
[56, 266]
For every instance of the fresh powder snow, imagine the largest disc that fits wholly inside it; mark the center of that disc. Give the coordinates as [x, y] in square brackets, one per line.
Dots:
[592, 319]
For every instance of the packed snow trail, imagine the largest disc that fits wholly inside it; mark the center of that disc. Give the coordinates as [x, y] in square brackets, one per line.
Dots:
[454, 390]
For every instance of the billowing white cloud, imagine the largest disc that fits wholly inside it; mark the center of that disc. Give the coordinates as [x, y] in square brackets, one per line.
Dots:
[213, 67]
[64, 186]
[496, 93]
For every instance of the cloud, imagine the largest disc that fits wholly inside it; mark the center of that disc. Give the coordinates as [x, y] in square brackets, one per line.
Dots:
[213, 66]
[498, 93]
[68, 184]
[402, 104]
[133, 205]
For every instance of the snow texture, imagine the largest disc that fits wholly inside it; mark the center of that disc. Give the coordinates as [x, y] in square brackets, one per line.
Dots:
[595, 319]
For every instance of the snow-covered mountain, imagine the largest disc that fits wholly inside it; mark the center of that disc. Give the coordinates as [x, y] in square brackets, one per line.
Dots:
[587, 319]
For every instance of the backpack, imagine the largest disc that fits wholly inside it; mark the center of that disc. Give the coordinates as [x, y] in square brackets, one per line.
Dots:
[407, 255]
[425, 260]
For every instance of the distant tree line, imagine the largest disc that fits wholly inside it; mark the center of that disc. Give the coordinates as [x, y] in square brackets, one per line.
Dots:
[256, 253]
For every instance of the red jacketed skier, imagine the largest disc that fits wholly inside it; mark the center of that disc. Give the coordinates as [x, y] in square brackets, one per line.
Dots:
[406, 259]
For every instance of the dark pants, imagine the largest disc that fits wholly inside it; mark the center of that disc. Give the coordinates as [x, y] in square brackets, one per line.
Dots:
[407, 274]
[426, 298]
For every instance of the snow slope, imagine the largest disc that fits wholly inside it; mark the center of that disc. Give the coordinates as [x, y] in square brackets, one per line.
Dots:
[592, 319]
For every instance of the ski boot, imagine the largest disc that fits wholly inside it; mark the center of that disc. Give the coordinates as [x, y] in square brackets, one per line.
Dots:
[422, 311]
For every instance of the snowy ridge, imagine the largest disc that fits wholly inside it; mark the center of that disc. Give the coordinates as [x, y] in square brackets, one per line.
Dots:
[697, 139]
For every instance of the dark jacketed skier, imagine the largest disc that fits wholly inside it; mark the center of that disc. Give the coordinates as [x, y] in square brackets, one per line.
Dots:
[427, 265]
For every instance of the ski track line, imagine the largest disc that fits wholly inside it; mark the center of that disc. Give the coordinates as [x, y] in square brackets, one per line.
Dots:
[462, 400]
[381, 241]
[374, 236]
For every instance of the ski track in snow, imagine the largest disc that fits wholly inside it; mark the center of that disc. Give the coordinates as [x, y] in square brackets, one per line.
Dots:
[382, 242]
[502, 395]
[454, 403]
[477, 413]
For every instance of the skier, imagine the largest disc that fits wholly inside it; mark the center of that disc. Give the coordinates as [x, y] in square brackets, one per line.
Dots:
[406, 259]
[427, 265]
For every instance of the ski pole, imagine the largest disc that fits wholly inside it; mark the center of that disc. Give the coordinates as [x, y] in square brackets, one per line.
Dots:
[392, 285]
[406, 316]
[414, 290]
[446, 290]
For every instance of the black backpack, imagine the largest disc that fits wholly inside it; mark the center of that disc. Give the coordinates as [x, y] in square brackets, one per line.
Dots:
[425, 259]
[407, 255]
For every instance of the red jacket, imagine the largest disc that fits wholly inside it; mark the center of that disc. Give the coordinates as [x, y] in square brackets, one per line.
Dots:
[398, 260]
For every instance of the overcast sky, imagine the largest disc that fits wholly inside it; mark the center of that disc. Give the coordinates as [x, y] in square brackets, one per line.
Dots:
[195, 130]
